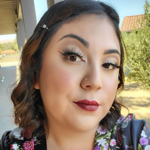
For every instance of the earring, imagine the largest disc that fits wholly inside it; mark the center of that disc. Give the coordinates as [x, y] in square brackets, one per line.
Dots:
[109, 112]
[113, 107]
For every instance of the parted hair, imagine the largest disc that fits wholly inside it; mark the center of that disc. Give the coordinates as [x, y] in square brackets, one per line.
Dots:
[28, 105]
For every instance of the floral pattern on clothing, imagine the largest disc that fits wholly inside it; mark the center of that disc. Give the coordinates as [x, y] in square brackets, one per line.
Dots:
[14, 147]
[119, 138]
[28, 145]
[26, 141]
[116, 138]
[144, 139]
[26, 134]
[112, 142]
[102, 139]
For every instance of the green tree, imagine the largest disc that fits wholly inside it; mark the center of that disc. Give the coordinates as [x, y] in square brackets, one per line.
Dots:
[15, 45]
[137, 45]
[9, 46]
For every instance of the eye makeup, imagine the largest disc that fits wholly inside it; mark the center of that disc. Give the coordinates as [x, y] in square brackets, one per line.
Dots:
[72, 52]
[110, 66]
[111, 63]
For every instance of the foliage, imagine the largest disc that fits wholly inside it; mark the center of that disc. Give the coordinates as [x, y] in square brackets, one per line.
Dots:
[9, 46]
[137, 43]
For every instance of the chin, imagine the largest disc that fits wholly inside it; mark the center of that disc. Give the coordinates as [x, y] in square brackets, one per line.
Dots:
[86, 124]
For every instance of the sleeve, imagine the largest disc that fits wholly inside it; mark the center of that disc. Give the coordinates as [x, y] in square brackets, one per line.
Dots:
[5, 141]
[135, 135]
[144, 139]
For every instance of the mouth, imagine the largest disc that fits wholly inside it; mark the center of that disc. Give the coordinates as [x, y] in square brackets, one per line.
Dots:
[87, 105]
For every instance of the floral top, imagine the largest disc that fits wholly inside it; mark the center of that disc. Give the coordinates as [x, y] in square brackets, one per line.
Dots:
[128, 134]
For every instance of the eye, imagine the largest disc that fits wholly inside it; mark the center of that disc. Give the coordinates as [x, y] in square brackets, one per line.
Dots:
[71, 55]
[110, 66]
[73, 58]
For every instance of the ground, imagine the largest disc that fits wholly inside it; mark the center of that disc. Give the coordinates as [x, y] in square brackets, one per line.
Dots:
[137, 100]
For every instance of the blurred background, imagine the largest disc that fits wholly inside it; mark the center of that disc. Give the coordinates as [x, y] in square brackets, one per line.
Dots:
[18, 20]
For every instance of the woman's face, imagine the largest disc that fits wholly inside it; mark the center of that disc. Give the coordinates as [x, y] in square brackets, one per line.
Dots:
[78, 79]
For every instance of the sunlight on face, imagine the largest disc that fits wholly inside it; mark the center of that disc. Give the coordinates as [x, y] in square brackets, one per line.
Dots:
[79, 75]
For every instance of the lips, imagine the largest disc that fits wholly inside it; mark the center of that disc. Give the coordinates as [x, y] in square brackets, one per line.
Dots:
[87, 105]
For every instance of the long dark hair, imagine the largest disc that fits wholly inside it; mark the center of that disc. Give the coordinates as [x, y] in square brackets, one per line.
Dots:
[28, 106]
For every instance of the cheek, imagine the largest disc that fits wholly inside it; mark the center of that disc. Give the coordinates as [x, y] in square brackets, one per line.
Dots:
[55, 80]
[111, 81]
[113, 84]
[56, 83]
[110, 87]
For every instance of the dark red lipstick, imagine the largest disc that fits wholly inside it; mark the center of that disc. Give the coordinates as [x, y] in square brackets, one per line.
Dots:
[87, 105]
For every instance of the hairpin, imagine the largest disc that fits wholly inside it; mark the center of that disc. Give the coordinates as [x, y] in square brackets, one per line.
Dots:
[44, 26]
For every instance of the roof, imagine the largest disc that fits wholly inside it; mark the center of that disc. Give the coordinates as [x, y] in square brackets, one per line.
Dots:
[9, 15]
[131, 22]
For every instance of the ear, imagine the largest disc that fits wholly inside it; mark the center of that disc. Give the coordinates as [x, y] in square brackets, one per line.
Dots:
[37, 86]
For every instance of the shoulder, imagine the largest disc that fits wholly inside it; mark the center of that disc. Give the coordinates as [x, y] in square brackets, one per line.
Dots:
[20, 139]
[4, 141]
[133, 132]
[131, 123]
[10, 137]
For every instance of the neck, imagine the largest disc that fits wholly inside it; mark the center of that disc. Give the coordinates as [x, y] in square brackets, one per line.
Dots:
[64, 138]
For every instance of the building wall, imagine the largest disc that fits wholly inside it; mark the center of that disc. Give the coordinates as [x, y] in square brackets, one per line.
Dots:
[28, 22]
[29, 16]
[21, 35]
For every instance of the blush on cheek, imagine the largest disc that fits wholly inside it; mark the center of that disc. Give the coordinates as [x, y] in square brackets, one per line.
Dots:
[63, 78]
[111, 82]
[56, 83]
[111, 88]
[57, 79]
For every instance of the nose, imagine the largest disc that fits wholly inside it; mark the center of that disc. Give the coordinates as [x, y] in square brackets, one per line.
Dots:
[92, 80]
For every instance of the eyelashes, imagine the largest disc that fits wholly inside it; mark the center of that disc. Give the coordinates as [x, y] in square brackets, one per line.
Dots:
[110, 66]
[74, 55]
[72, 51]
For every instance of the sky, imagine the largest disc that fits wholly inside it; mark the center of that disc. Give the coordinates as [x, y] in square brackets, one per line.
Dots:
[123, 7]
[127, 7]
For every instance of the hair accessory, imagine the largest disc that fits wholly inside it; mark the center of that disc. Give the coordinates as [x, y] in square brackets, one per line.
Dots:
[44, 26]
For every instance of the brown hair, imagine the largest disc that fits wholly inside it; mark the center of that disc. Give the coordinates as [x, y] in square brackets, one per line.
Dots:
[28, 106]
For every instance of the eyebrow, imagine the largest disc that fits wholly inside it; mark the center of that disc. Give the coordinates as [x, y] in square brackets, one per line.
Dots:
[111, 51]
[80, 39]
[86, 44]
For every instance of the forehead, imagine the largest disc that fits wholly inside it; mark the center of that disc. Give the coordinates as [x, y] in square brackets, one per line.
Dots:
[92, 28]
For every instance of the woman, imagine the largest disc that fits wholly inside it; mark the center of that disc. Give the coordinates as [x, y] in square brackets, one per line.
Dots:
[71, 69]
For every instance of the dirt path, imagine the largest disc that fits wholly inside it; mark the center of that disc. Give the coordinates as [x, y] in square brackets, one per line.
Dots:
[137, 100]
